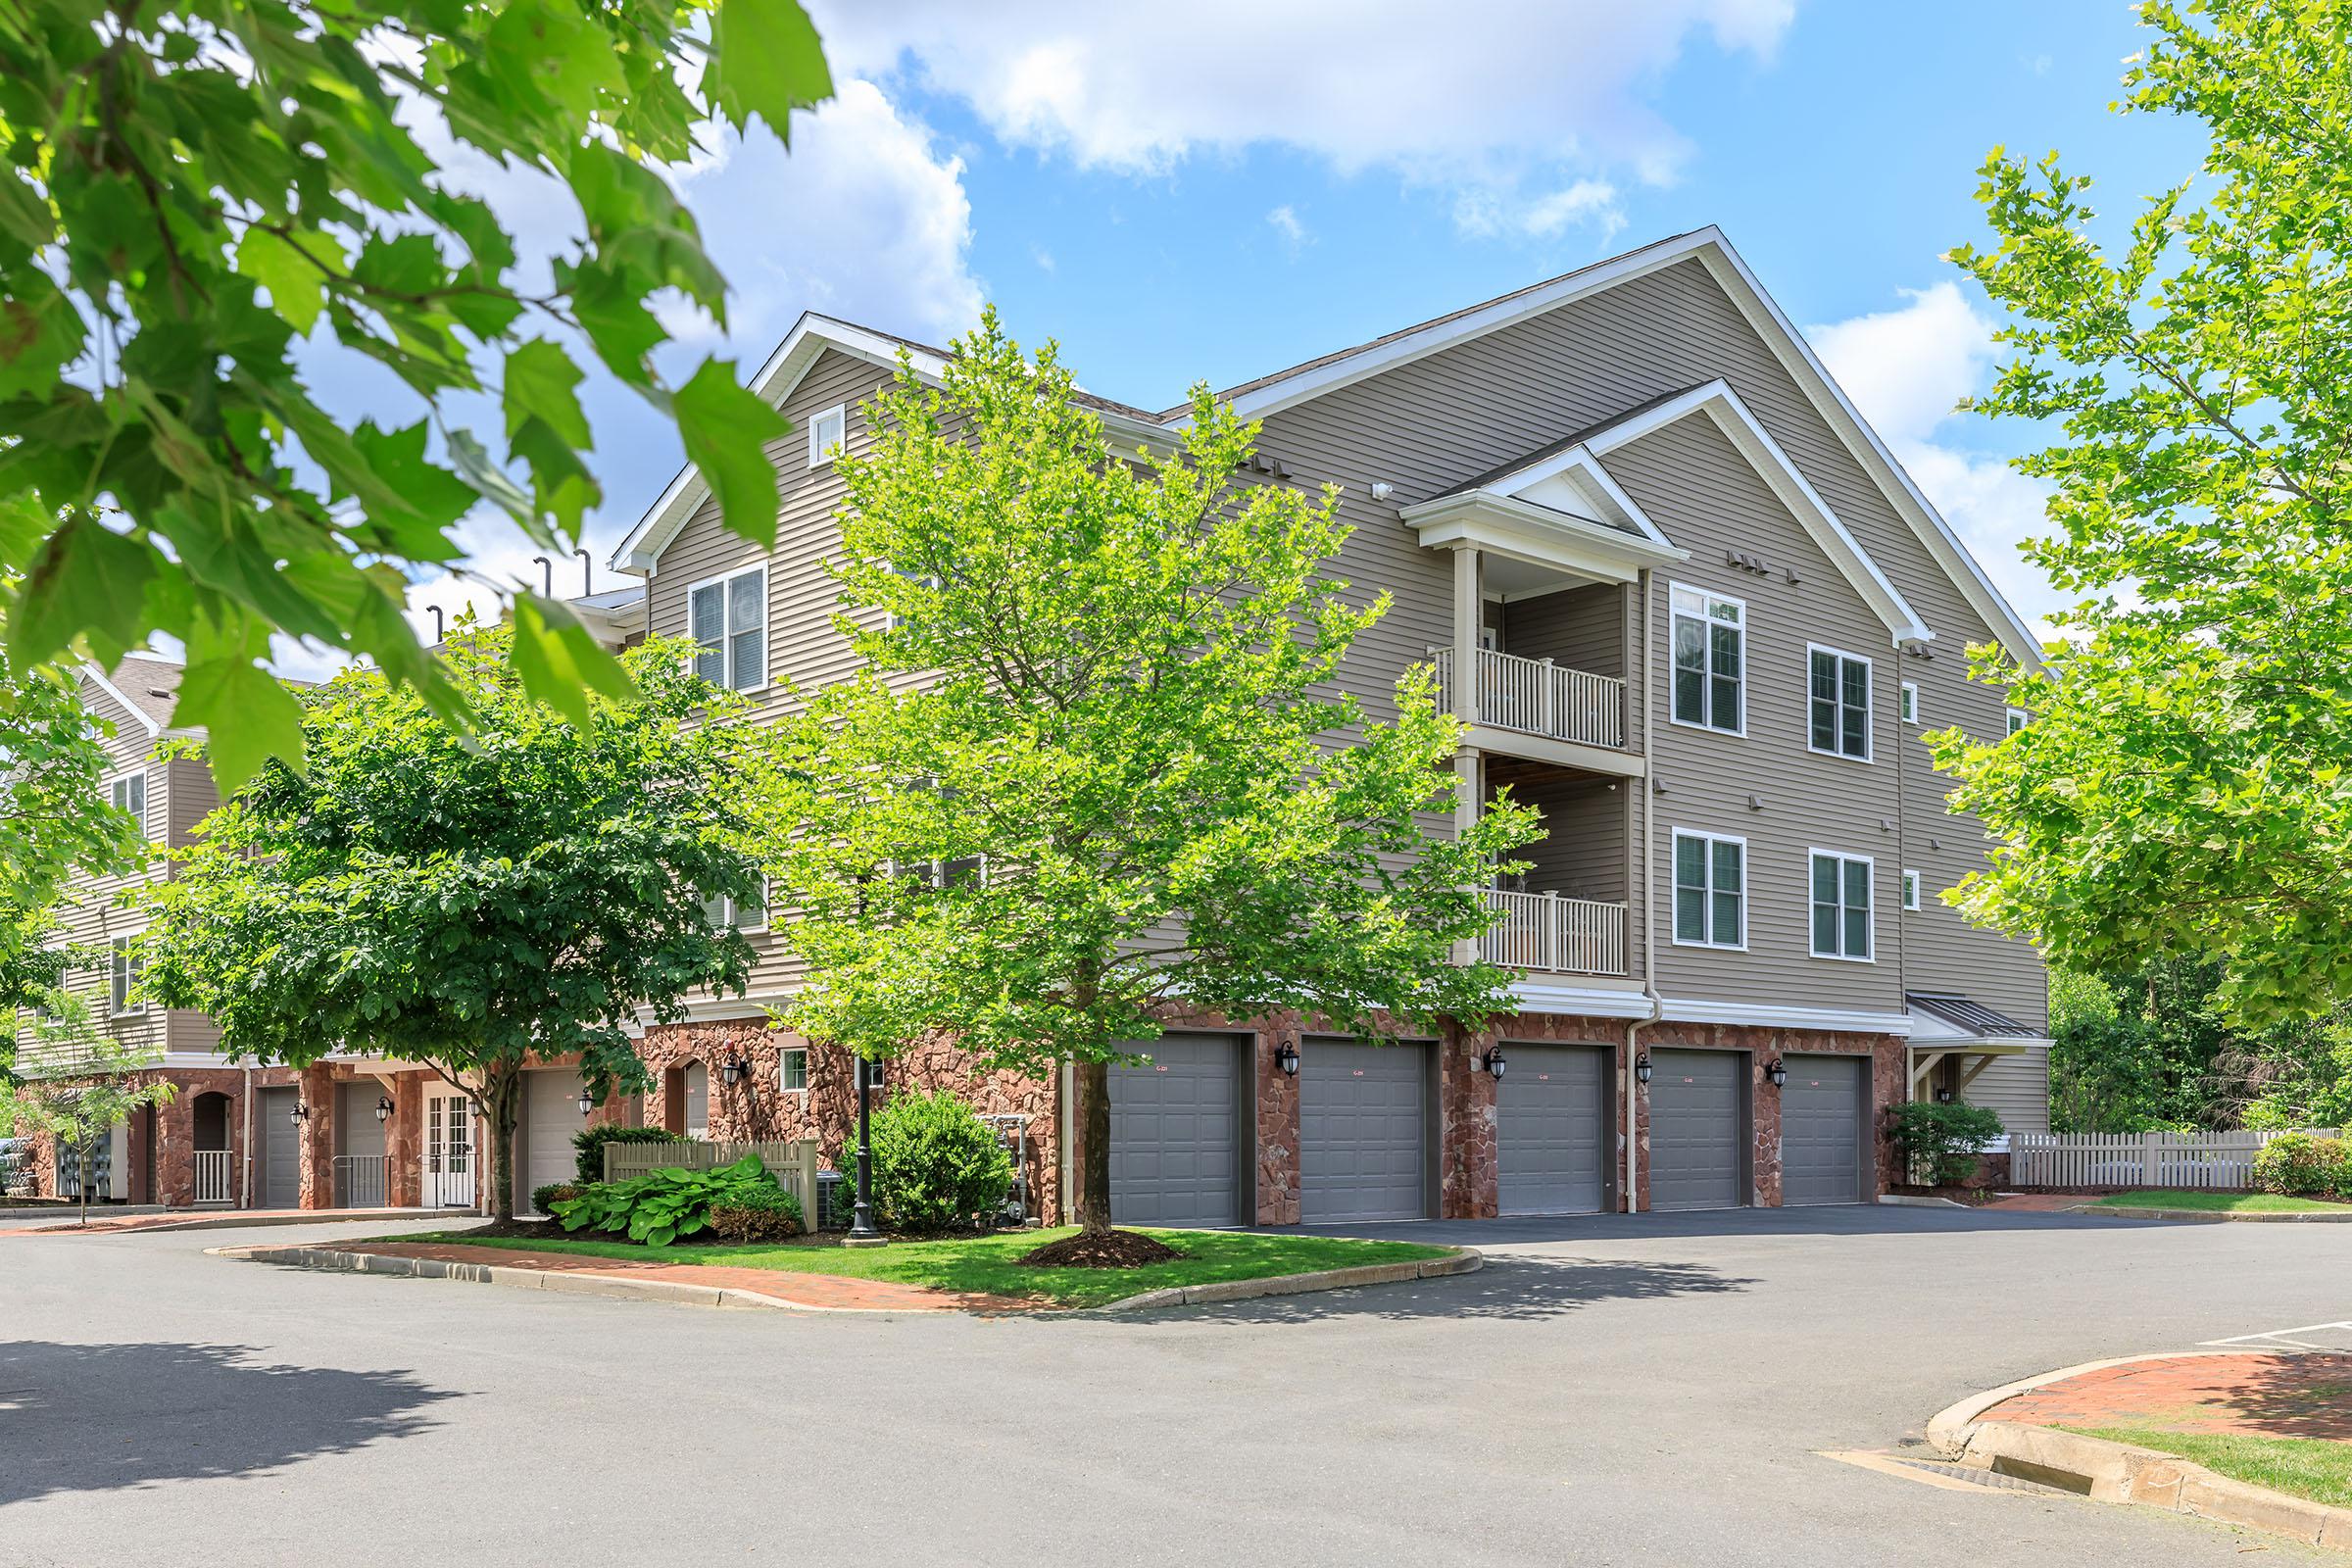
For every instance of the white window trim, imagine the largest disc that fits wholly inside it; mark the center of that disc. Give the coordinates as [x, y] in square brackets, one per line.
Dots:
[728, 912]
[1910, 886]
[1870, 861]
[840, 411]
[1908, 699]
[787, 1051]
[1870, 705]
[726, 635]
[2014, 719]
[146, 796]
[1672, 588]
[1747, 884]
[119, 956]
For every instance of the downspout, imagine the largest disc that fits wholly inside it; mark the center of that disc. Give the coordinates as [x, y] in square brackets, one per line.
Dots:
[1650, 917]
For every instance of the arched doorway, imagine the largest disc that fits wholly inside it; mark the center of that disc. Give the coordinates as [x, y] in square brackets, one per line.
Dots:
[215, 1161]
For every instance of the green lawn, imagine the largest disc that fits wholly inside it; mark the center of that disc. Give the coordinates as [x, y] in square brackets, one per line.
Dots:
[987, 1263]
[2222, 1203]
[2318, 1469]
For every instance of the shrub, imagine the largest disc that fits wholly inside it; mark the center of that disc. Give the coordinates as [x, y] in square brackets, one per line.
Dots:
[2298, 1163]
[937, 1165]
[1941, 1140]
[661, 1205]
[589, 1142]
[544, 1198]
[760, 1214]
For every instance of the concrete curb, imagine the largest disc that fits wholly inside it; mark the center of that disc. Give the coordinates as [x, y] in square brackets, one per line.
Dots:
[1458, 1260]
[1951, 1427]
[531, 1279]
[2119, 1472]
[2206, 1215]
[1919, 1201]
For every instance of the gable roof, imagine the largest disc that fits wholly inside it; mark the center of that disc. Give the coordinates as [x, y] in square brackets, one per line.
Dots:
[149, 688]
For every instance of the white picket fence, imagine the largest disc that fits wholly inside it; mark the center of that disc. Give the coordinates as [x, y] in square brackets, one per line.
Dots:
[793, 1161]
[2216, 1160]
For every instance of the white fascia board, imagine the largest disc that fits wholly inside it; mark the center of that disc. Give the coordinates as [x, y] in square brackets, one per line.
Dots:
[1773, 465]
[138, 714]
[1699, 1010]
[1539, 535]
[1804, 367]
[1590, 1000]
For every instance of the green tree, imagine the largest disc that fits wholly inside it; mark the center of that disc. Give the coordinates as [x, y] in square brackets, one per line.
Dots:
[1097, 765]
[2183, 787]
[84, 1089]
[196, 192]
[470, 901]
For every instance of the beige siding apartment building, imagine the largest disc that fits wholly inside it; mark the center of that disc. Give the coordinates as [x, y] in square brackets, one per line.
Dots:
[1685, 601]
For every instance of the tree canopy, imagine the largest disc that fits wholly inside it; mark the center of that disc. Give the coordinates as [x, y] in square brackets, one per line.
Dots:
[1096, 765]
[200, 196]
[470, 903]
[2183, 787]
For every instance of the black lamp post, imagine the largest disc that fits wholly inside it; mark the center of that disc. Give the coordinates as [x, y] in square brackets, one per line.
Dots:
[1286, 1057]
[384, 1108]
[861, 1219]
[1642, 1067]
[1778, 1071]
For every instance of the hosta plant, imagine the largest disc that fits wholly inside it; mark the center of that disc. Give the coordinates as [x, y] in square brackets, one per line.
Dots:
[660, 1206]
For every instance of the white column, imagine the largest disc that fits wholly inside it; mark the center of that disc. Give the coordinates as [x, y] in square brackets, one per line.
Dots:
[1469, 610]
[1469, 799]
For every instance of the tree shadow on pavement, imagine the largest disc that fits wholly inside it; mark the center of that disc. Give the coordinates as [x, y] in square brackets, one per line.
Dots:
[103, 1417]
[1511, 1287]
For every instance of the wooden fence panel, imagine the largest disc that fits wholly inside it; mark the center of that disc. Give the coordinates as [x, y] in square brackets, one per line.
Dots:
[2215, 1161]
[794, 1162]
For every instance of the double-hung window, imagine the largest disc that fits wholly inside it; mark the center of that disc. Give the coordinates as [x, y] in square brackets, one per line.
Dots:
[746, 914]
[1710, 890]
[826, 431]
[1840, 905]
[792, 1069]
[123, 991]
[1840, 691]
[1710, 661]
[129, 794]
[728, 617]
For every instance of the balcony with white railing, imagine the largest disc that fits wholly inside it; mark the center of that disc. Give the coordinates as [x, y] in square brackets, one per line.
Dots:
[1537, 697]
[1557, 935]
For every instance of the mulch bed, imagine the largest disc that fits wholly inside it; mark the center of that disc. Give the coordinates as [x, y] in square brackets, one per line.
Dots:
[1101, 1249]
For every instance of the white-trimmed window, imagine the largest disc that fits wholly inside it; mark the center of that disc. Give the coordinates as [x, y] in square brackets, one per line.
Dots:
[1710, 661]
[727, 617]
[748, 914]
[826, 431]
[1837, 692]
[1841, 888]
[125, 973]
[129, 793]
[1910, 890]
[1710, 890]
[792, 1069]
[2018, 718]
[1908, 708]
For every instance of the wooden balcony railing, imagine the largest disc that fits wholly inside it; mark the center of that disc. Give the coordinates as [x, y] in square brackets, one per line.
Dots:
[1537, 697]
[1562, 936]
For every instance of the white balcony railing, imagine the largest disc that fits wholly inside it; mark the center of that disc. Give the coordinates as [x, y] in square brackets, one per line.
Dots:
[359, 1181]
[1564, 936]
[216, 1171]
[1538, 697]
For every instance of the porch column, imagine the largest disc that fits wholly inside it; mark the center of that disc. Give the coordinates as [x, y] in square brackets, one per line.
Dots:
[316, 1142]
[1469, 799]
[1469, 616]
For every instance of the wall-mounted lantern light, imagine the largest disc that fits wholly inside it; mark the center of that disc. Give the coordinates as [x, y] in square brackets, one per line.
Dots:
[586, 1104]
[1286, 1057]
[1493, 1062]
[731, 1070]
[1642, 1067]
[384, 1108]
[301, 1114]
[1778, 1071]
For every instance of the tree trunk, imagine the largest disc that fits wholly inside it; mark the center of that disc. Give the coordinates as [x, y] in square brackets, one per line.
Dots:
[500, 1091]
[1093, 1144]
[90, 1173]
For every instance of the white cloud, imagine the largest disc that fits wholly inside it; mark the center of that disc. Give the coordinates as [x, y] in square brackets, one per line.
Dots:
[1511, 100]
[1286, 223]
[1905, 368]
[1486, 212]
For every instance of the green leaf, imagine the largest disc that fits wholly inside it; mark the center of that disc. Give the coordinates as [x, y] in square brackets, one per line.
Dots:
[87, 580]
[248, 715]
[297, 286]
[726, 430]
[39, 335]
[539, 381]
[765, 60]
[561, 661]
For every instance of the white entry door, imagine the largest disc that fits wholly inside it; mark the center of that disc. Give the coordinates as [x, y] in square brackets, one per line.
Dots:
[448, 1151]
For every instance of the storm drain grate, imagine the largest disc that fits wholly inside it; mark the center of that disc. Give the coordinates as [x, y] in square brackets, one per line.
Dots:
[1950, 1477]
[1990, 1480]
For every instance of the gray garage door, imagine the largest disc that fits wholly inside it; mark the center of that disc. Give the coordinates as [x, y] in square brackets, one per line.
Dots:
[1553, 1129]
[550, 1114]
[1698, 1125]
[281, 1158]
[1821, 1111]
[1363, 1151]
[1175, 1134]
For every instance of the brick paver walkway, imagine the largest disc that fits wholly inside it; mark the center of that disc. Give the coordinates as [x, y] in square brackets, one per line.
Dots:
[102, 1225]
[2265, 1394]
[799, 1289]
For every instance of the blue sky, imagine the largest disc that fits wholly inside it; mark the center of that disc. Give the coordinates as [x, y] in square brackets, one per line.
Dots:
[1217, 190]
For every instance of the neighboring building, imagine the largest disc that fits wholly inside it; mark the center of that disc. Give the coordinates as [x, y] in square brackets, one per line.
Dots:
[1711, 619]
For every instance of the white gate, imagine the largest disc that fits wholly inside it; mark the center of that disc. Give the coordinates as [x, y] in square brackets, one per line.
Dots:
[448, 1151]
[215, 1173]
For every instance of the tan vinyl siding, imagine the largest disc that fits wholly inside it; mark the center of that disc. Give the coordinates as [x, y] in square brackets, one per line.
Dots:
[2018, 1088]
[1582, 854]
[1580, 628]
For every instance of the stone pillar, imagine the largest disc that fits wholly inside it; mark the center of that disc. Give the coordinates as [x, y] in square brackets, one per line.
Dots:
[317, 1140]
[1277, 1123]
[175, 1135]
[1764, 1045]
[141, 1151]
[1469, 1177]
[404, 1138]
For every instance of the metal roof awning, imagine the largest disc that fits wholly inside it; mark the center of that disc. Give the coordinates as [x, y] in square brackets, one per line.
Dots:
[1968, 1017]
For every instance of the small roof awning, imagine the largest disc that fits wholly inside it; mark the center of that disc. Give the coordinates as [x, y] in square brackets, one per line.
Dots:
[1962, 1018]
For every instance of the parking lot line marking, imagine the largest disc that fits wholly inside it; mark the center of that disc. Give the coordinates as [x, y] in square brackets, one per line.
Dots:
[2285, 1335]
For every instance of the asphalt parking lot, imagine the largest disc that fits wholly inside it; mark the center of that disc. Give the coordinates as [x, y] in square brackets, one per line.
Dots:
[1606, 1390]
